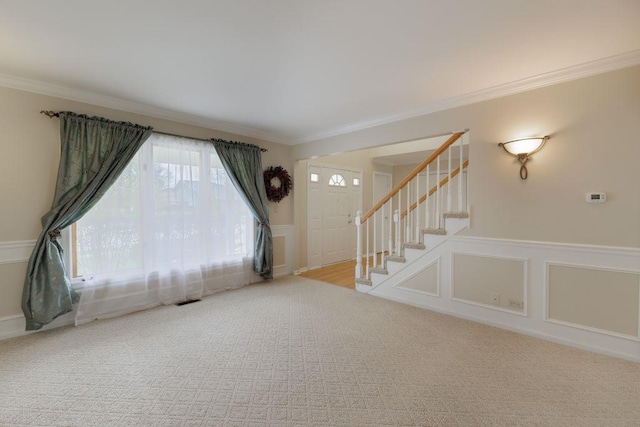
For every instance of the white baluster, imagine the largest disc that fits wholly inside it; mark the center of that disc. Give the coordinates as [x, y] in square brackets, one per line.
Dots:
[417, 214]
[399, 238]
[460, 177]
[426, 201]
[449, 181]
[396, 219]
[375, 238]
[358, 245]
[366, 261]
[407, 223]
[382, 236]
[390, 226]
[466, 202]
[437, 218]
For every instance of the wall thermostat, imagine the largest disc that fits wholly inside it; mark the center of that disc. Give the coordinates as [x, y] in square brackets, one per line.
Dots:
[596, 197]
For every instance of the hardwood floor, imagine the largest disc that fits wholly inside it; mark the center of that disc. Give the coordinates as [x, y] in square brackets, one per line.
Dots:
[340, 274]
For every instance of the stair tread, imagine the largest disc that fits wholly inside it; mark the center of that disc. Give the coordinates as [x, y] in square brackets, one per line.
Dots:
[379, 270]
[438, 231]
[363, 281]
[456, 214]
[410, 245]
[395, 258]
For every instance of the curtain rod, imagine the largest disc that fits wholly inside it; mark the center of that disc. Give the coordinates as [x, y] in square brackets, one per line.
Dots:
[52, 114]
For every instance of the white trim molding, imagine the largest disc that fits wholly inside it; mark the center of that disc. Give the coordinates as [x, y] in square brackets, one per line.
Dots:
[525, 275]
[592, 68]
[286, 231]
[437, 262]
[116, 103]
[549, 319]
[14, 326]
[533, 322]
[599, 66]
[15, 252]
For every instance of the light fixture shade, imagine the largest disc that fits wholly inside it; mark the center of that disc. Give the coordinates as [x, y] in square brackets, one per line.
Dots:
[522, 149]
[523, 146]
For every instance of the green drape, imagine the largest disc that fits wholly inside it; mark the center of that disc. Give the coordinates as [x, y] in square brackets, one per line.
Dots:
[94, 152]
[243, 164]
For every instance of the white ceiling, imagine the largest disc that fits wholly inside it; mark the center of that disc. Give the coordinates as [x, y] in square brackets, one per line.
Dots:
[293, 71]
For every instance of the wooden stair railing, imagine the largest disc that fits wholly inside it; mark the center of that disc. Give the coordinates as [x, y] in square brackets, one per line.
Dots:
[392, 241]
[422, 166]
[435, 188]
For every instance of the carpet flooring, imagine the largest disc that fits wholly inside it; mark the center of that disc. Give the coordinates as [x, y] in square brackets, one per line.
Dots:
[300, 352]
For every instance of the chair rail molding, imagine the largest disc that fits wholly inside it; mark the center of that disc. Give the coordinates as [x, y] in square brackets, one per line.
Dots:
[534, 320]
[16, 251]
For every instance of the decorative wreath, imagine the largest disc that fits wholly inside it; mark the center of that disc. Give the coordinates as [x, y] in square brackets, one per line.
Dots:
[275, 194]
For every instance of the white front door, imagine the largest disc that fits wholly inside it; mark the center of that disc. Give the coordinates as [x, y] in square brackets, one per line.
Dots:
[334, 197]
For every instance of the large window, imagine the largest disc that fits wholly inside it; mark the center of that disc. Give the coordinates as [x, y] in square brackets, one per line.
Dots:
[172, 208]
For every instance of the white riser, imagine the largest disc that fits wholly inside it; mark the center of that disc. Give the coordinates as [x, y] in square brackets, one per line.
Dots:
[415, 256]
[394, 267]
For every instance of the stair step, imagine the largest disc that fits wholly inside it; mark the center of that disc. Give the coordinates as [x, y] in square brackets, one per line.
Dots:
[437, 231]
[379, 270]
[395, 258]
[410, 245]
[363, 281]
[456, 215]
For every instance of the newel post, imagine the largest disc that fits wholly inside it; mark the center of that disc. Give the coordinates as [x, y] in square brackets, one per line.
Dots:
[358, 245]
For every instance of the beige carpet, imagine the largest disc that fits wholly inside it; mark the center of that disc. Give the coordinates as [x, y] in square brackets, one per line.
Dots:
[300, 352]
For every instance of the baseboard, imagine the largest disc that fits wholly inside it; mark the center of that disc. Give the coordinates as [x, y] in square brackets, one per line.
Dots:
[525, 331]
[534, 319]
[282, 274]
[14, 326]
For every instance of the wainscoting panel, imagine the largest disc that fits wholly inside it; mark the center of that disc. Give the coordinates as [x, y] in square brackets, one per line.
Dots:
[473, 268]
[594, 298]
[279, 251]
[424, 281]
[11, 284]
[283, 250]
[498, 283]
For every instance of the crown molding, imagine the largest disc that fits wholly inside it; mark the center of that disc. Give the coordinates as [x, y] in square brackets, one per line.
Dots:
[612, 63]
[562, 75]
[122, 104]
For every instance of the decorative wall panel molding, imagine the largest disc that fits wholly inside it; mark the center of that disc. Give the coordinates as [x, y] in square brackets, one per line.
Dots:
[533, 320]
[495, 280]
[286, 232]
[583, 296]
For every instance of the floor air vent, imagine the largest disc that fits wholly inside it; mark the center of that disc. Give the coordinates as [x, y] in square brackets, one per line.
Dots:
[187, 302]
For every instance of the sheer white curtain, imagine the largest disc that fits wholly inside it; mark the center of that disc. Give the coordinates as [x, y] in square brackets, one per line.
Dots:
[172, 228]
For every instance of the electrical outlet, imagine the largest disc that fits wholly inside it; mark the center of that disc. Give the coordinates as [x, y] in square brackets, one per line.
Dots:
[515, 303]
[494, 299]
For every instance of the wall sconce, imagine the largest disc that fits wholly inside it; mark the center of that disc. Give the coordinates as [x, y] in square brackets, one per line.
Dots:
[523, 149]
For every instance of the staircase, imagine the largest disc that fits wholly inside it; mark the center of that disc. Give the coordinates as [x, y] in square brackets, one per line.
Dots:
[418, 215]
